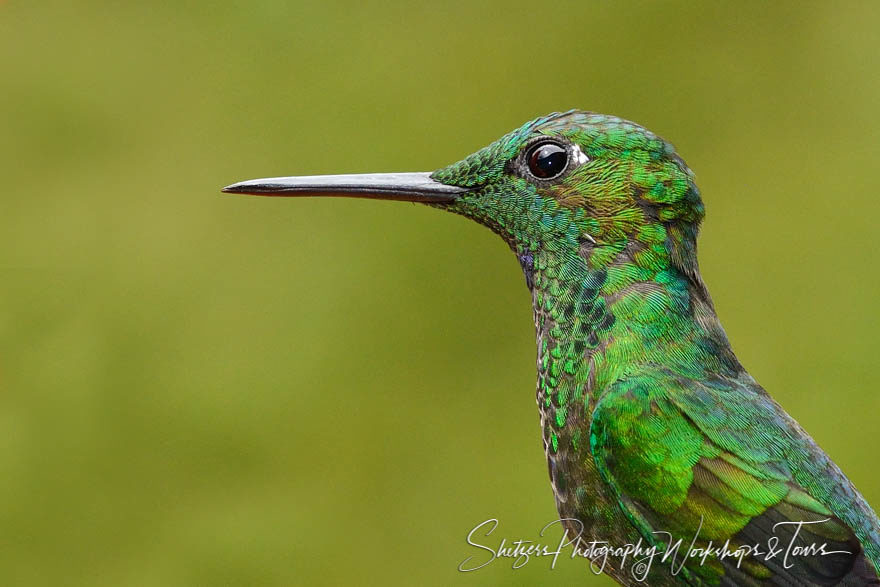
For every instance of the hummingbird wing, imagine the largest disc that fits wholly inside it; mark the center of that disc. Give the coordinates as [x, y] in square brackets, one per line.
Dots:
[719, 460]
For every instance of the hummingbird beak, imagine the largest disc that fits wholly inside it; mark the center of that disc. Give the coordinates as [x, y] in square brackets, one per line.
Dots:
[405, 187]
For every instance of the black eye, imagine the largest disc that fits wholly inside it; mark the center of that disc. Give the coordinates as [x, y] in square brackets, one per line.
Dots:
[547, 160]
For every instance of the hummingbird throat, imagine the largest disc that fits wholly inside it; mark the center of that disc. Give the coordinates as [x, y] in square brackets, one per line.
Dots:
[603, 311]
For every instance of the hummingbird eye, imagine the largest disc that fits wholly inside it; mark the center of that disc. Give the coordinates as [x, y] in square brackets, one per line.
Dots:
[547, 160]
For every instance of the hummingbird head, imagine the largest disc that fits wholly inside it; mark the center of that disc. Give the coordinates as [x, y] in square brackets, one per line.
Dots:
[575, 175]
[568, 181]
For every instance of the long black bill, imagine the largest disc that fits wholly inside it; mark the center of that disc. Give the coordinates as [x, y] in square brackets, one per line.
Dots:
[406, 187]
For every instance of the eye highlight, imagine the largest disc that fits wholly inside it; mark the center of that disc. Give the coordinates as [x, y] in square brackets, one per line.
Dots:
[547, 160]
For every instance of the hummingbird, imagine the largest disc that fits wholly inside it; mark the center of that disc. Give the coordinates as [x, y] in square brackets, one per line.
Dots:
[655, 434]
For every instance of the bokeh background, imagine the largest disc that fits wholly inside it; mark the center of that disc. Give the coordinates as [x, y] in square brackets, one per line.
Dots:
[203, 389]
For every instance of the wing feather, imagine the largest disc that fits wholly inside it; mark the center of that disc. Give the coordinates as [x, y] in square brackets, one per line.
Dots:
[709, 460]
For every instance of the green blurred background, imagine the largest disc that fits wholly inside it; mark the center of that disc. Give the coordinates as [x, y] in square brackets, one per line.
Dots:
[200, 389]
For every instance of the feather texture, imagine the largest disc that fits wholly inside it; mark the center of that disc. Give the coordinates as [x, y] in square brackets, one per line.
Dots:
[653, 429]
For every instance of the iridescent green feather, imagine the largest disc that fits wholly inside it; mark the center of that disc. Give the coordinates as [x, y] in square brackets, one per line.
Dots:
[650, 422]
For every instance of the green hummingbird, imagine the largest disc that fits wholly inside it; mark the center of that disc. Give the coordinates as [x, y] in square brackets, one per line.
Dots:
[655, 434]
